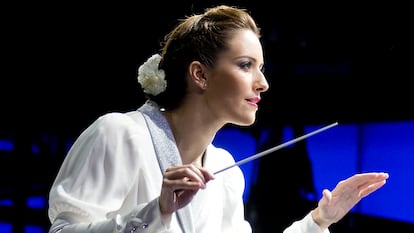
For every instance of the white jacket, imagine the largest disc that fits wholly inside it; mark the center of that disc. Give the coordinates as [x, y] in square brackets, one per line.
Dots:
[111, 179]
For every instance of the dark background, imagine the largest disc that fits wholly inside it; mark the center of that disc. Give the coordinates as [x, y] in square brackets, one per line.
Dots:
[64, 64]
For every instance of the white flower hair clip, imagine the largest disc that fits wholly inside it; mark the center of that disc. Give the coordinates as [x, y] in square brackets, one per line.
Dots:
[151, 78]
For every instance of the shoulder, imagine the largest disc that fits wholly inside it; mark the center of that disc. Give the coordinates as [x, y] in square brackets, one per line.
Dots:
[115, 119]
[220, 153]
[116, 124]
[118, 120]
[233, 178]
[218, 158]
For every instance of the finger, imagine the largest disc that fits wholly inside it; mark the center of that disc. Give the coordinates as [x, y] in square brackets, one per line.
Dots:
[362, 180]
[203, 174]
[371, 188]
[370, 177]
[371, 180]
[206, 174]
[175, 185]
[361, 185]
[180, 172]
[186, 175]
[327, 195]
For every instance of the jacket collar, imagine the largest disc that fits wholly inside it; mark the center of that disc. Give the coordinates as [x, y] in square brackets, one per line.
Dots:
[167, 153]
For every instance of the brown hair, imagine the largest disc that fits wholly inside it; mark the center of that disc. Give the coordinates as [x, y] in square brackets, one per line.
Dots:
[200, 37]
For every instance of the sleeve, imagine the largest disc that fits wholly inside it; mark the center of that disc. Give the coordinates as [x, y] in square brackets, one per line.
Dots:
[96, 178]
[134, 222]
[305, 225]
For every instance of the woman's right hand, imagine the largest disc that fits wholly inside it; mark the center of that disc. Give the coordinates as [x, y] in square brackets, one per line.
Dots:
[179, 185]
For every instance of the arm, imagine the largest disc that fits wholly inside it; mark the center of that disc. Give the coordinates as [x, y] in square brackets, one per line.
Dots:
[132, 222]
[96, 187]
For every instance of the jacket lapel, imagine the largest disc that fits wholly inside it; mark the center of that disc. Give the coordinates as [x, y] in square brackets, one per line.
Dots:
[167, 153]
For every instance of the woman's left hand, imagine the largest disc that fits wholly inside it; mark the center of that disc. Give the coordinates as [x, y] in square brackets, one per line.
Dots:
[334, 205]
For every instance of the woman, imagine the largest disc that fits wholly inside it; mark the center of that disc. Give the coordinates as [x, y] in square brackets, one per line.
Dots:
[152, 170]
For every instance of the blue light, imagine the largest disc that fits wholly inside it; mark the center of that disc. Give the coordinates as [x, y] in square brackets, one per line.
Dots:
[36, 202]
[33, 229]
[6, 145]
[6, 202]
[5, 227]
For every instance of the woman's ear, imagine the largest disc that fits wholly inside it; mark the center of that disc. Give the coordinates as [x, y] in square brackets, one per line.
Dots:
[197, 74]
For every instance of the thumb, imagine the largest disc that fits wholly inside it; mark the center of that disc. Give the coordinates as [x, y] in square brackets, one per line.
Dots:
[327, 195]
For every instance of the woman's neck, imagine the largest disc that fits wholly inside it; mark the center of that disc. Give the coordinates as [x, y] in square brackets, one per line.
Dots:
[192, 134]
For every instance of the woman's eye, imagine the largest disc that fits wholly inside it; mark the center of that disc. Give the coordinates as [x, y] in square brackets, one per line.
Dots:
[245, 65]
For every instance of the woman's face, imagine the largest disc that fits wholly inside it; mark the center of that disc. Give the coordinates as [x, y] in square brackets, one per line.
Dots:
[236, 81]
